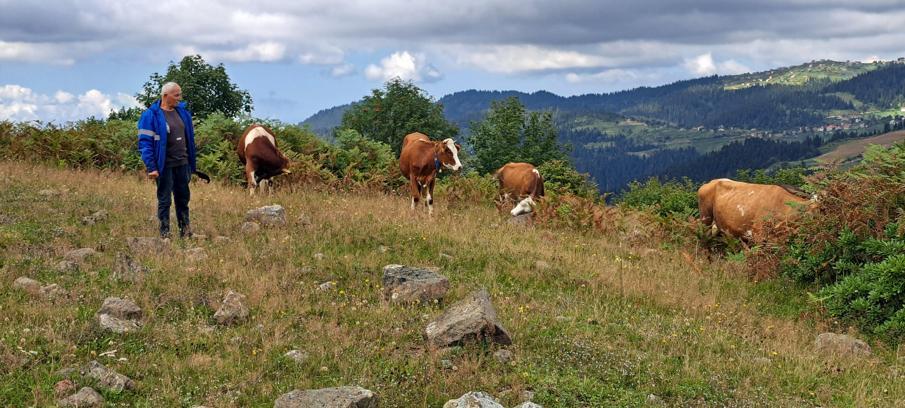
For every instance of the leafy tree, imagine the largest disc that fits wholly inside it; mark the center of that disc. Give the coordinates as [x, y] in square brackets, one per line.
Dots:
[206, 89]
[509, 133]
[387, 115]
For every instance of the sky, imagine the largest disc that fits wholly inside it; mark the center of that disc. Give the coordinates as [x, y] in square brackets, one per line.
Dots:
[67, 60]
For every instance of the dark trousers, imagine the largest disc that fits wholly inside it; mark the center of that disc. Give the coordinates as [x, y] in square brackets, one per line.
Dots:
[173, 183]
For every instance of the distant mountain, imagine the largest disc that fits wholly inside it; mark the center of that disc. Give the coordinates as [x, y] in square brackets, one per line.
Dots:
[323, 122]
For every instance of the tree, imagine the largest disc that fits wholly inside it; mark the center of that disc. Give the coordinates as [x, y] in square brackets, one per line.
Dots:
[509, 133]
[206, 89]
[387, 115]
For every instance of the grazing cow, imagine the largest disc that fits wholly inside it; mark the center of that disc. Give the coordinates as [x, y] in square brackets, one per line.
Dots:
[420, 161]
[258, 151]
[523, 182]
[739, 209]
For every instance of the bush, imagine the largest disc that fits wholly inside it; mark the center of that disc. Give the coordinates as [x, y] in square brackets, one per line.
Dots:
[671, 198]
[561, 177]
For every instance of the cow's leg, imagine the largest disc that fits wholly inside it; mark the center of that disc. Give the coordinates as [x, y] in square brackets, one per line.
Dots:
[430, 197]
[265, 185]
[250, 177]
[416, 191]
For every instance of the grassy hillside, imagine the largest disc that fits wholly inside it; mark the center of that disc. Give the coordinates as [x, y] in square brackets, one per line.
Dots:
[852, 150]
[603, 320]
[799, 75]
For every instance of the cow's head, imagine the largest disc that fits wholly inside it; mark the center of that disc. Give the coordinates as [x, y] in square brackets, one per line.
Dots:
[448, 154]
[523, 207]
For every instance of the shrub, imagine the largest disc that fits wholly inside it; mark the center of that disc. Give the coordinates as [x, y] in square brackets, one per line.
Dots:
[562, 178]
[672, 198]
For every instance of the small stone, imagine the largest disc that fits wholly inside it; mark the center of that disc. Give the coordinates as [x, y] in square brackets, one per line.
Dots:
[446, 364]
[79, 255]
[268, 216]
[94, 218]
[529, 404]
[119, 315]
[319, 256]
[65, 373]
[503, 356]
[526, 395]
[473, 318]
[339, 397]
[541, 265]
[326, 286]
[841, 344]
[250, 227]
[27, 285]
[108, 379]
[473, 400]
[220, 239]
[48, 193]
[383, 249]
[762, 361]
[403, 284]
[563, 319]
[87, 397]
[446, 257]
[195, 254]
[297, 356]
[232, 310]
[64, 388]
[67, 267]
[52, 291]
[127, 269]
[653, 399]
[149, 245]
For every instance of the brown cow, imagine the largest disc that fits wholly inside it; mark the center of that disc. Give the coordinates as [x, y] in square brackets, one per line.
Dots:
[420, 161]
[258, 151]
[523, 182]
[739, 209]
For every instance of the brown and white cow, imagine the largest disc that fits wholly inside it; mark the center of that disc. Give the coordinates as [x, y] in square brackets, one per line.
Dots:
[257, 149]
[521, 181]
[739, 209]
[422, 159]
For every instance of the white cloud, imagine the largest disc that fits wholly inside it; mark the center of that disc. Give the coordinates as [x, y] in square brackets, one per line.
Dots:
[19, 103]
[509, 59]
[403, 65]
[268, 51]
[607, 76]
[705, 65]
[35, 52]
[342, 70]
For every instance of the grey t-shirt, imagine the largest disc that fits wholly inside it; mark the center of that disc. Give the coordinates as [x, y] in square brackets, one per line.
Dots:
[177, 153]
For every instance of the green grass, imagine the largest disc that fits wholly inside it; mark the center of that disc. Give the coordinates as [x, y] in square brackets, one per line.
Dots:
[607, 324]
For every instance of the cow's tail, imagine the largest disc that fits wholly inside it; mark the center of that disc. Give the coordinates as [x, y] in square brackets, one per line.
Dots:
[538, 184]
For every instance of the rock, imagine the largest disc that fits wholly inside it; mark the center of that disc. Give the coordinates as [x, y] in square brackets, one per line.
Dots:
[52, 291]
[48, 193]
[473, 318]
[383, 249]
[447, 364]
[220, 239]
[148, 245]
[196, 254]
[503, 356]
[94, 218]
[319, 256]
[326, 286]
[64, 388]
[269, 216]
[446, 257]
[67, 267]
[405, 284]
[762, 361]
[232, 310]
[526, 395]
[119, 315]
[529, 404]
[340, 397]
[297, 356]
[522, 220]
[473, 400]
[541, 265]
[250, 227]
[108, 379]
[87, 397]
[653, 399]
[841, 344]
[127, 269]
[65, 373]
[27, 285]
[79, 255]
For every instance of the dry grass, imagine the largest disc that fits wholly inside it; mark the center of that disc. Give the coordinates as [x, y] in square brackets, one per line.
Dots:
[606, 324]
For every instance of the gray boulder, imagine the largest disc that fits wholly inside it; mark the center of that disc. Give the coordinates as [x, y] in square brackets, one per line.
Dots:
[87, 397]
[268, 216]
[250, 227]
[405, 284]
[195, 255]
[67, 267]
[27, 285]
[148, 245]
[522, 220]
[232, 310]
[119, 315]
[473, 400]
[94, 218]
[125, 268]
[79, 255]
[473, 318]
[841, 344]
[529, 404]
[108, 379]
[340, 397]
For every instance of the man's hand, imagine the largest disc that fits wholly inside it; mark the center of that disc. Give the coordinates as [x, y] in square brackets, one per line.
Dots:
[153, 175]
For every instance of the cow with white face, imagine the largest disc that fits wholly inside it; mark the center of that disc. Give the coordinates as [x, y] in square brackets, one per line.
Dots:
[523, 182]
[422, 160]
[257, 150]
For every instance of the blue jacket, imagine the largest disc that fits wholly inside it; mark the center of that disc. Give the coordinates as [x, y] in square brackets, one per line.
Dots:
[152, 136]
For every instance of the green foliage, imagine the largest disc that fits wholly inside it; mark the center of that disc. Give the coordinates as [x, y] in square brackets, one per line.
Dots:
[852, 243]
[387, 115]
[360, 159]
[205, 89]
[670, 198]
[791, 176]
[561, 177]
[509, 133]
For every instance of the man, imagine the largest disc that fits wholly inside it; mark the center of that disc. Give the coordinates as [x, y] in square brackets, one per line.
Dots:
[166, 141]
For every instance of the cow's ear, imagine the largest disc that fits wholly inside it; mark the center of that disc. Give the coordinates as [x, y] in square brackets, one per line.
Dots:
[458, 146]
